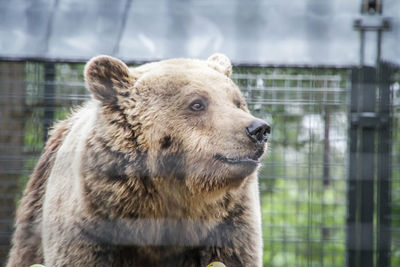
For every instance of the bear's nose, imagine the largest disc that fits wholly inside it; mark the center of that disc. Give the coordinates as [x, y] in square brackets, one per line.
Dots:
[258, 131]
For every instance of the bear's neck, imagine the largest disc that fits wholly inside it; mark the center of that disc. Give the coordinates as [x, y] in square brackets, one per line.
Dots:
[118, 185]
[119, 195]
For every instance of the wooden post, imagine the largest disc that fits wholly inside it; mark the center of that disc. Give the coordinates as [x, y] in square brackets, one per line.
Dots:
[12, 121]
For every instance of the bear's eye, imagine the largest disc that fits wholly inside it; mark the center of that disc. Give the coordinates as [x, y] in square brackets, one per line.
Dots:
[238, 104]
[197, 105]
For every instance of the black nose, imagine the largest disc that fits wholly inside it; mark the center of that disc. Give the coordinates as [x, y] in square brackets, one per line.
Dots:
[258, 131]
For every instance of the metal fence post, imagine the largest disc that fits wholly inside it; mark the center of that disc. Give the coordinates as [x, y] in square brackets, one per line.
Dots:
[368, 221]
[367, 123]
[49, 97]
[383, 168]
[352, 184]
[360, 220]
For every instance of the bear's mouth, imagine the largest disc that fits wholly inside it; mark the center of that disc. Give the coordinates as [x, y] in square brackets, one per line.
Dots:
[238, 160]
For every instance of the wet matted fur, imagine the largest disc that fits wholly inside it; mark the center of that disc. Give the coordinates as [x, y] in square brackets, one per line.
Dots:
[157, 169]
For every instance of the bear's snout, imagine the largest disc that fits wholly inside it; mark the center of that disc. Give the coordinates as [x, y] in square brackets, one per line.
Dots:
[258, 131]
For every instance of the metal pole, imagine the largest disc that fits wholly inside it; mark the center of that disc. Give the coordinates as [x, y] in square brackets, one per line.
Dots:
[378, 47]
[367, 168]
[384, 193]
[365, 232]
[49, 97]
[362, 46]
[352, 183]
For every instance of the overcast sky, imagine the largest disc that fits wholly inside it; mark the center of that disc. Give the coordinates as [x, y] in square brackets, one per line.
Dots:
[254, 31]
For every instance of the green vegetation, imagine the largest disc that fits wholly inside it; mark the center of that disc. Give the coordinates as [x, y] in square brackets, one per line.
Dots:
[303, 179]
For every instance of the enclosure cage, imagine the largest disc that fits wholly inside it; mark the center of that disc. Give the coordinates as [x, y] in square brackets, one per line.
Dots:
[330, 181]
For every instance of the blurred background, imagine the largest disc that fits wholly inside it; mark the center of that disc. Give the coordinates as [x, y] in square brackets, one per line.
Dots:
[324, 74]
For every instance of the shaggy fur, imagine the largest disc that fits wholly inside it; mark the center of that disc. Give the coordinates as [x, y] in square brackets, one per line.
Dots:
[143, 176]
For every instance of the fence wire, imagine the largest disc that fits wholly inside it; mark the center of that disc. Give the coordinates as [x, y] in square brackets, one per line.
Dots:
[303, 180]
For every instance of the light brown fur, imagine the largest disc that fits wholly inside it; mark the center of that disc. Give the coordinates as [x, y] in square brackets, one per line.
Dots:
[27, 248]
[135, 177]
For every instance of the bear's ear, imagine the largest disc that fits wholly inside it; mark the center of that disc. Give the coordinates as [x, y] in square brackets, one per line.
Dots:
[220, 63]
[106, 77]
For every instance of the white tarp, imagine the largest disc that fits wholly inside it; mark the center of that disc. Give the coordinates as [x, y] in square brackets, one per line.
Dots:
[254, 31]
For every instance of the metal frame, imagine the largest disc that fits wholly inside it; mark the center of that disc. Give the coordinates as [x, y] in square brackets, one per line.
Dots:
[368, 221]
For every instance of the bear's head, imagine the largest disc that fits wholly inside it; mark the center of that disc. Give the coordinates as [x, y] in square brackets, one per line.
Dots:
[186, 119]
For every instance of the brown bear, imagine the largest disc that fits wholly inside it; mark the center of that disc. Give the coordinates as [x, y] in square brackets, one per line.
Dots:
[159, 168]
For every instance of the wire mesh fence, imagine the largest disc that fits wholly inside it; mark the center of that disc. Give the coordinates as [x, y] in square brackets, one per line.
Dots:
[395, 171]
[304, 179]
[303, 182]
